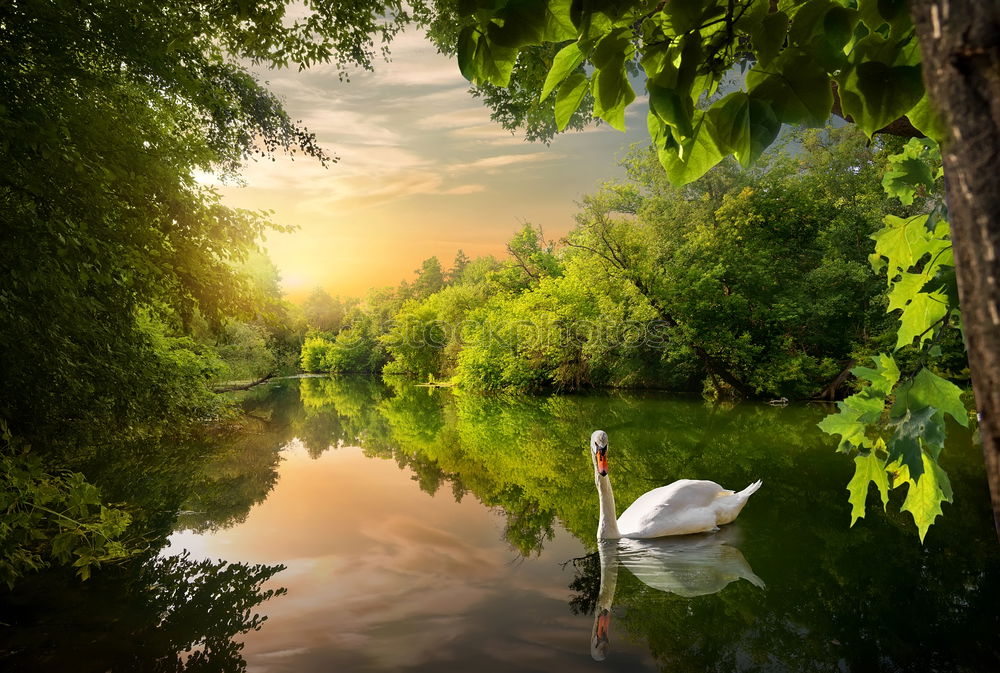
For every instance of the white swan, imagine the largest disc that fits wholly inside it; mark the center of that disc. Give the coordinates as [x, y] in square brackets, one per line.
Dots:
[683, 507]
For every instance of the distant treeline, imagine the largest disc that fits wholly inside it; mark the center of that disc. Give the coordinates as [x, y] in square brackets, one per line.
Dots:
[746, 283]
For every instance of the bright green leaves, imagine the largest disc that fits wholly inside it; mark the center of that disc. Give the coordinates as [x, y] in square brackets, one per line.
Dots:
[566, 61]
[609, 85]
[768, 37]
[916, 256]
[687, 161]
[857, 413]
[848, 425]
[743, 126]
[927, 389]
[904, 242]
[868, 468]
[568, 98]
[903, 446]
[881, 81]
[924, 496]
[917, 250]
[884, 375]
[910, 171]
[919, 315]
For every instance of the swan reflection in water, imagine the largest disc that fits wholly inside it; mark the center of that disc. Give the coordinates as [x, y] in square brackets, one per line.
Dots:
[690, 565]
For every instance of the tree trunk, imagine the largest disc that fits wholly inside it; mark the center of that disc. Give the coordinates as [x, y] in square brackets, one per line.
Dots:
[242, 386]
[960, 47]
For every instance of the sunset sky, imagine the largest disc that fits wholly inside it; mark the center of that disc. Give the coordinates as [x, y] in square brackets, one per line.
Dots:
[422, 171]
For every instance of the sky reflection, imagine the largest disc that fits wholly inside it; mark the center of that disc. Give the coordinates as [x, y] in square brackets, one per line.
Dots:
[382, 576]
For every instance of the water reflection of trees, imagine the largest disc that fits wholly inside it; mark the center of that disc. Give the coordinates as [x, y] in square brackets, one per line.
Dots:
[867, 597]
[168, 614]
[160, 613]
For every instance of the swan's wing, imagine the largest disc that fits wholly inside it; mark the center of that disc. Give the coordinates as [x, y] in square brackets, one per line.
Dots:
[669, 506]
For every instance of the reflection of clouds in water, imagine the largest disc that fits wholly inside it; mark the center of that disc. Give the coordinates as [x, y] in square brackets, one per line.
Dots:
[416, 548]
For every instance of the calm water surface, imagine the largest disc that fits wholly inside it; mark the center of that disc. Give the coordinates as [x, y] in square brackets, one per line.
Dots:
[428, 530]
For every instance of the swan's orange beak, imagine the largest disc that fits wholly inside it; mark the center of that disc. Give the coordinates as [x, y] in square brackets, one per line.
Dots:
[602, 461]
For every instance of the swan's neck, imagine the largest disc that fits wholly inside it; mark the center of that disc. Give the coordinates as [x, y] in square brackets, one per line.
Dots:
[607, 527]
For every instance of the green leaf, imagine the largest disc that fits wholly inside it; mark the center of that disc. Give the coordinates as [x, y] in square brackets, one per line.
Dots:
[797, 88]
[925, 495]
[904, 242]
[687, 162]
[930, 390]
[483, 61]
[905, 289]
[903, 177]
[683, 15]
[868, 468]
[612, 94]
[874, 93]
[808, 23]
[838, 26]
[764, 128]
[923, 116]
[912, 428]
[568, 98]
[566, 61]
[846, 424]
[466, 51]
[673, 109]
[919, 315]
[731, 122]
[911, 168]
[558, 25]
[883, 377]
[769, 37]
[894, 13]
[866, 406]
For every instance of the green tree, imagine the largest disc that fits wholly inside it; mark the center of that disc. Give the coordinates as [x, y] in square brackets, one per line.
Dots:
[325, 313]
[457, 267]
[430, 279]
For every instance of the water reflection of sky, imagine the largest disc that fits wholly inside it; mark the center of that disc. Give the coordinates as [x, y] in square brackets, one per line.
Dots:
[382, 576]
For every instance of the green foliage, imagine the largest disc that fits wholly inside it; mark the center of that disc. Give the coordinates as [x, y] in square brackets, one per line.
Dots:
[796, 53]
[108, 110]
[54, 518]
[246, 352]
[741, 283]
[897, 422]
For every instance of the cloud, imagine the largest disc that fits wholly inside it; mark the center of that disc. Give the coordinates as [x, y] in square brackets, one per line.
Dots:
[503, 160]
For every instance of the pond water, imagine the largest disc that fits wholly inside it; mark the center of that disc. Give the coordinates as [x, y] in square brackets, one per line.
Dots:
[422, 529]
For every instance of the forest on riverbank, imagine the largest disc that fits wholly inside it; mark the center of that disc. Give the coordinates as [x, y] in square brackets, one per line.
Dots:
[745, 283]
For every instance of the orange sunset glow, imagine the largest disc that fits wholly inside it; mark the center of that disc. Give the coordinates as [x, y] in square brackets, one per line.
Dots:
[422, 171]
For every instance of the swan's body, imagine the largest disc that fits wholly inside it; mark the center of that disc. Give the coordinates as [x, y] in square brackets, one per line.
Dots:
[683, 507]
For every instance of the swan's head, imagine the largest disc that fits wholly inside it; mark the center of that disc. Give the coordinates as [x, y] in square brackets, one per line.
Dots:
[599, 451]
[599, 643]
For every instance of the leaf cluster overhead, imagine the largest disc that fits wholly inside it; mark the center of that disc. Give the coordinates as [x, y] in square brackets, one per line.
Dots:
[801, 59]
